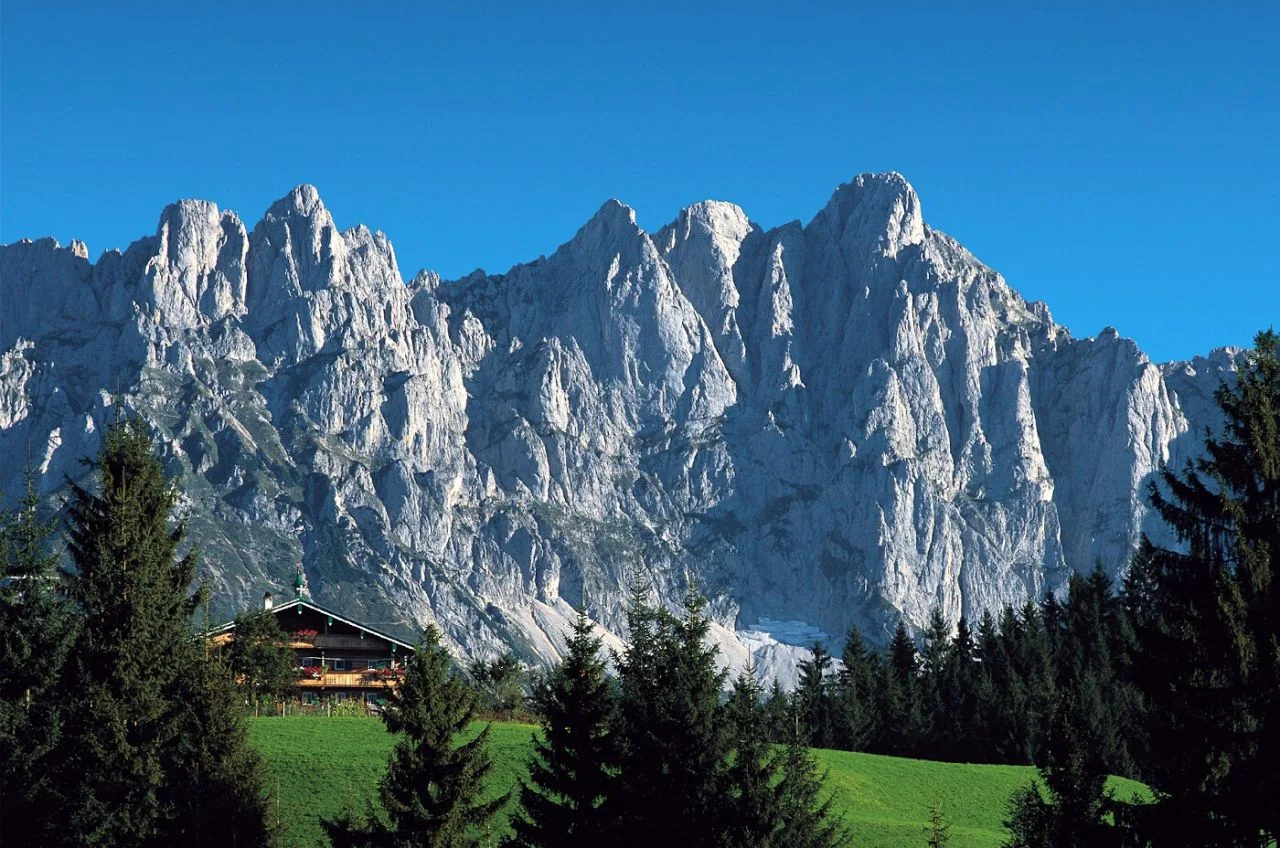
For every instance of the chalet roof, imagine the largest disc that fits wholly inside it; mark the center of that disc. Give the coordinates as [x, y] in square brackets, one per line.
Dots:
[307, 603]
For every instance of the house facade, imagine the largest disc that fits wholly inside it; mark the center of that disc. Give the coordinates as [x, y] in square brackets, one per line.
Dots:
[337, 656]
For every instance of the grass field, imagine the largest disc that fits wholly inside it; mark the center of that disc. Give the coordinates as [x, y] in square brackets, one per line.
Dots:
[319, 765]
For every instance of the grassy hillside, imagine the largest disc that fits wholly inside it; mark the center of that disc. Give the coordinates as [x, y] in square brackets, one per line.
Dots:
[319, 765]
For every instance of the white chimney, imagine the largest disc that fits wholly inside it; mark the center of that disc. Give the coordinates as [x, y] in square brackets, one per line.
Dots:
[267, 601]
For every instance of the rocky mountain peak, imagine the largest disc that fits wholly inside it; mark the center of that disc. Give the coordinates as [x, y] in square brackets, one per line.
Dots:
[875, 209]
[822, 425]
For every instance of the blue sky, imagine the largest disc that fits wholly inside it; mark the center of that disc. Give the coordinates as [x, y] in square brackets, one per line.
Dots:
[1118, 163]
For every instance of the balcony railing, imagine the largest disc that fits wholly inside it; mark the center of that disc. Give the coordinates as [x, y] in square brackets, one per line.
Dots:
[325, 640]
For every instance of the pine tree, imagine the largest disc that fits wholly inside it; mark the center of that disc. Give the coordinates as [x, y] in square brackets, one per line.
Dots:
[1207, 619]
[674, 740]
[899, 717]
[780, 720]
[810, 820]
[855, 695]
[962, 680]
[815, 698]
[214, 786]
[1076, 811]
[772, 794]
[575, 763]
[752, 814]
[935, 694]
[129, 768]
[259, 659]
[432, 791]
[1031, 652]
[501, 682]
[36, 634]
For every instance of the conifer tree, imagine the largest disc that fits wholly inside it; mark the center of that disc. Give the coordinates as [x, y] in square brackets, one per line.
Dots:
[956, 728]
[752, 813]
[674, 741]
[939, 832]
[36, 633]
[1076, 811]
[1207, 619]
[855, 695]
[780, 719]
[899, 718]
[501, 682]
[772, 795]
[432, 793]
[934, 694]
[815, 699]
[214, 785]
[261, 662]
[129, 768]
[575, 763]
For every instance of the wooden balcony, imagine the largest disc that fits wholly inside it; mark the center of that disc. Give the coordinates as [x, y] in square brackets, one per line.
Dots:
[327, 641]
[347, 680]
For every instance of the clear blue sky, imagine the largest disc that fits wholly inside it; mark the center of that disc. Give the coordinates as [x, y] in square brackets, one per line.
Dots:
[1119, 164]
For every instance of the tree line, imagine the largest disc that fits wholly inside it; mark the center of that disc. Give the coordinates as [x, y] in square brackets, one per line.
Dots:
[653, 756]
[1172, 678]
[988, 695]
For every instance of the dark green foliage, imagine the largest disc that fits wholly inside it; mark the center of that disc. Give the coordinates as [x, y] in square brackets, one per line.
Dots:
[214, 778]
[855, 692]
[675, 744]
[772, 794]
[574, 766]
[815, 698]
[780, 720]
[501, 684]
[752, 814]
[36, 633]
[1207, 624]
[133, 765]
[432, 789]
[899, 714]
[263, 665]
[1075, 775]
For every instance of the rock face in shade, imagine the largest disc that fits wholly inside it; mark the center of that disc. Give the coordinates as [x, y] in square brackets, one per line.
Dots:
[822, 425]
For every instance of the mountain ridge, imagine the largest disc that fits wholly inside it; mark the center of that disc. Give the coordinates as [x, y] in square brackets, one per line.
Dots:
[825, 424]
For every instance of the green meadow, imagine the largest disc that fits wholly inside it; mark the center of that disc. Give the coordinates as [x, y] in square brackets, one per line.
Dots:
[317, 766]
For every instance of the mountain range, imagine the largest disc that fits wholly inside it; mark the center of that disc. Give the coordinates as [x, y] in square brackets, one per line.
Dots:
[820, 425]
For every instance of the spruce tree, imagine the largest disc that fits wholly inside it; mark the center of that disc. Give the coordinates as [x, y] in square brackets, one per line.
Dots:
[772, 794]
[36, 634]
[130, 768]
[815, 698]
[501, 683]
[899, 717]
[961, 683]
[214, 785]
[258, 657]
[752, 814]
[674, 740]
[1077, 810]
[855, 695]
[432, 793]
[1207, 620]
[576, 760]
